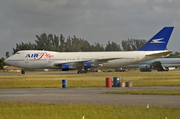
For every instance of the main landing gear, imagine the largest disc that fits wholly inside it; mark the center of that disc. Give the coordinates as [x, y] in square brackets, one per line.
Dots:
[22, 71]
[82, 71]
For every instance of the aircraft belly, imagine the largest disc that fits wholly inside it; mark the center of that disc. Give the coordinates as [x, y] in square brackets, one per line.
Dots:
[118, 63]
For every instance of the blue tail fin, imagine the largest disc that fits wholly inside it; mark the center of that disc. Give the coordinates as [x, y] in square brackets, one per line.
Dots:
[159, 41]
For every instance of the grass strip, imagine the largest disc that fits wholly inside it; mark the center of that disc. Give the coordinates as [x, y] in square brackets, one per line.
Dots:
[70, 111]
[138, 79]
[146, 92]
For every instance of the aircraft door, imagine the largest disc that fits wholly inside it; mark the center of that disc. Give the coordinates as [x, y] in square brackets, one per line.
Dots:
[49, 60]
[27, 60]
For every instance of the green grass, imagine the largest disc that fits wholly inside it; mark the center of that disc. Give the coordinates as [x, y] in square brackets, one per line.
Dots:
[62, 111]
[50, 81]
[140, 79]
[146, 92]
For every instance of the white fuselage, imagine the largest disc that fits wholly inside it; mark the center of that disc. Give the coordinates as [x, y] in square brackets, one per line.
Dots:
[48, 59]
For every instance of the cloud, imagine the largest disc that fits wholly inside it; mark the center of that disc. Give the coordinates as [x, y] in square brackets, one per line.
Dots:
[170, 1]
[158, 13]
[96, 21]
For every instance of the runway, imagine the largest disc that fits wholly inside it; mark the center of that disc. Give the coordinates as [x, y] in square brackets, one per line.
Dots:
[90, 96]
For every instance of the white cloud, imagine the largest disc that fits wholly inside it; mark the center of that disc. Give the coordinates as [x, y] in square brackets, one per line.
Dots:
[159, 1]
[170, 1]
[176, 23]
[125, 3]
[178, 13]
[158, 13]
[162, 1]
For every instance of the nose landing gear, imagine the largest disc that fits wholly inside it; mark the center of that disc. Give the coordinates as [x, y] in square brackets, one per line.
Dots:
[22, 71]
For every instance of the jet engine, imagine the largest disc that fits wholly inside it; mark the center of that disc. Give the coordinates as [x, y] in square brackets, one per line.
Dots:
[89, 65]
[145, 67]
[67, 67]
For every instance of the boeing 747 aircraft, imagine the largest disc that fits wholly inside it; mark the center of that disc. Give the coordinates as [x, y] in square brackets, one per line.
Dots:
[154, 48]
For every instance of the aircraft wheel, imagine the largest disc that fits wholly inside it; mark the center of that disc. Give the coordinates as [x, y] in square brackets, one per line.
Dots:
[22, 72]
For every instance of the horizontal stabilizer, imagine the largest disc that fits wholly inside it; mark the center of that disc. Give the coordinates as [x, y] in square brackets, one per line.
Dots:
[161, 54]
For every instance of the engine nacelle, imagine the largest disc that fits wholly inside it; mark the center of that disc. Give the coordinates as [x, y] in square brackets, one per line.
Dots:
[145, 67]
[67, 67]
[87, 64]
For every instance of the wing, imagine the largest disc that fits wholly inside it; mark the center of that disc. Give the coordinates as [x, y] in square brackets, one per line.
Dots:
[80, 63]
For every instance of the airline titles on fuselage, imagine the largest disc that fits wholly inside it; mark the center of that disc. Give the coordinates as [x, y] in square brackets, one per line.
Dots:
[38, 56]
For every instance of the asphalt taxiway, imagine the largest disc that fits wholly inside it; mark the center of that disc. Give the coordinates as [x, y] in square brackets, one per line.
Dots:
[92, 95]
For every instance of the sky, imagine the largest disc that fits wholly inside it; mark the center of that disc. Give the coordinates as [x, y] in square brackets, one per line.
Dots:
[92, 20]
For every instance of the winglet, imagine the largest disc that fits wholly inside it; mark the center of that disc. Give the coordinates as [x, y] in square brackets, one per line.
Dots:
[159, 41]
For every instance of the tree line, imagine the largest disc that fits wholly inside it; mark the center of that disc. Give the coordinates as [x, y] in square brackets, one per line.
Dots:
[73, 44]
